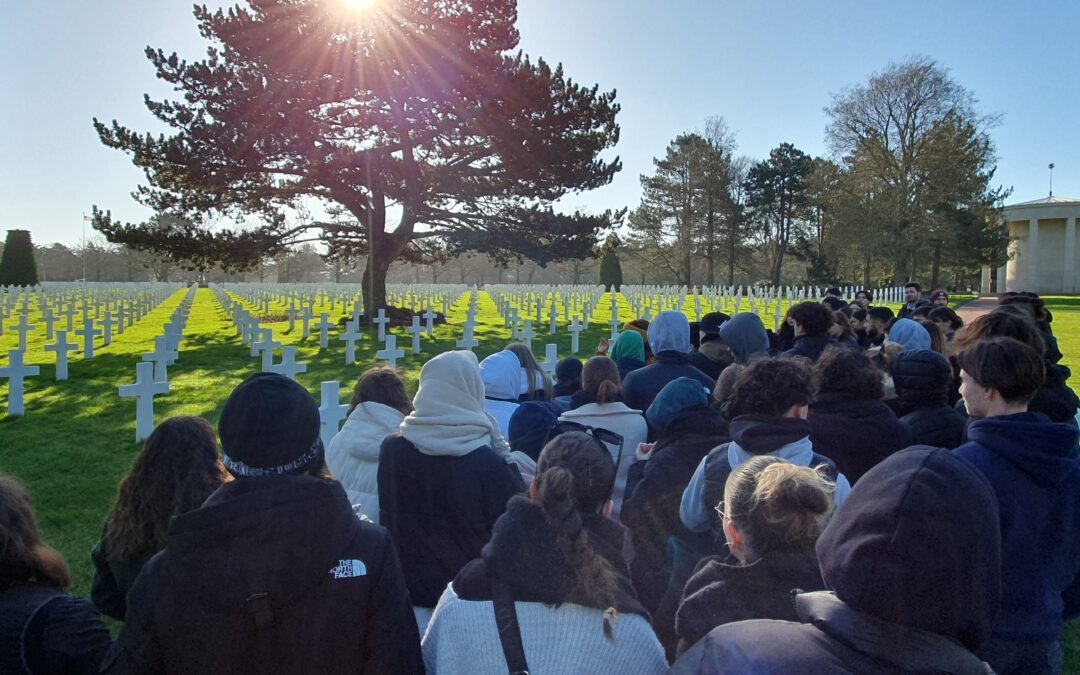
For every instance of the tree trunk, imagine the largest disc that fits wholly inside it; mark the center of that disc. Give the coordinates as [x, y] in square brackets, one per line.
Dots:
[710, 276]
[935, 271]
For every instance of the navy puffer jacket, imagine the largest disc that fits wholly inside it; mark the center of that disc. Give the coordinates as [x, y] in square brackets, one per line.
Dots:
[922, 378]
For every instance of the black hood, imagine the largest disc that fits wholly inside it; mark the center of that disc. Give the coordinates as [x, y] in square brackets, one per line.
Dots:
[1043, 450]
[917, 543]
[523, 554]
[763, 434]
[922, 379]
[252, 529]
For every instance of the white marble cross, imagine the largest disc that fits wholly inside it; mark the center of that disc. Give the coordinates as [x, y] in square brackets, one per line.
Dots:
[553, 315]
[551, 352]
[323, 325]
[22, 328]
[107, 324]
[331, 412]
[614, 324]
[61, 347]
[382, 320]
[390, 354]
[527, 333]
[161, 357]
[144, 390]
[575, 329]
[88, 332]
[15, 372]
[429, 319]
[305, 322]
[467, 340]
[288, 367]
[264, 346]
[415, 330]
[350, 338]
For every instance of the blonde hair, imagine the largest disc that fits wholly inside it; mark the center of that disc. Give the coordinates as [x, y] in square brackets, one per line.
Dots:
[777, 505]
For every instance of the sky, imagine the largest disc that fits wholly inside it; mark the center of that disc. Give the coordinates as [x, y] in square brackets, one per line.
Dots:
[769, 68]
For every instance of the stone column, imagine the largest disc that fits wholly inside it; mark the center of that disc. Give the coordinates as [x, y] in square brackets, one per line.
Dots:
[984, 281]
[1032, 275]
[1069, 285]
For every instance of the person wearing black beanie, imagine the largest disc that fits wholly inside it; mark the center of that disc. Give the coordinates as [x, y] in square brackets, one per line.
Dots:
[275, 572]
[913, 558]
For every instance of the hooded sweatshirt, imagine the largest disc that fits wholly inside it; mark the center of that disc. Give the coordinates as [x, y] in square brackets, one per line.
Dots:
[913, 559]
[745, 336]
[628, 352]
[353, 453]
[1029, 462]
[909, 334]
[504, 382]
[669, 337]
[271, 574]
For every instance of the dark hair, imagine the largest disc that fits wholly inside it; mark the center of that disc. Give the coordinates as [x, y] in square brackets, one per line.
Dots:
[539, 382]
[833, 291]
[859, 314]
[922, 312]
[601, 376]
[912, 284]
[814, 317]
[176, 470]
[778, 506]
[695, 335]
[770, 386]
[567, 376]
[948, 315]
[882, 314]
[869, 294]
[1001, 322]
[842, 370]
[1006, 364]
[381, 384]
[24, 558]
[937, 339]
[574, 477]
[725, 382]
[1032, 302]
[843, 323]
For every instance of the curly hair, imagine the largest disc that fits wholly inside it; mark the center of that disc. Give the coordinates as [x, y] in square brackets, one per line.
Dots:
[24, 558]
[813, 317]
[381, 384]
[177, 469]
[574, 477]
[841, 370]
[770, 386]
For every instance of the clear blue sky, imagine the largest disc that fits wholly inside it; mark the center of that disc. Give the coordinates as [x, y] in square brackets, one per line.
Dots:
[767, 67]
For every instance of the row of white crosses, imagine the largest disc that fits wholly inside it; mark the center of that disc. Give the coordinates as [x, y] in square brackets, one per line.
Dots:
[131, 301]
[151, 373]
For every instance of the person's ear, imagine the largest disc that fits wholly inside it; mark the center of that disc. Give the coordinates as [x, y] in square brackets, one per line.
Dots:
[798, 411]
[607, 509]
[733, 536]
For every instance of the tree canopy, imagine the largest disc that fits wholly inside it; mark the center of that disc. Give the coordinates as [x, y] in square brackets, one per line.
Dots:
[17, 265]
[410, 120]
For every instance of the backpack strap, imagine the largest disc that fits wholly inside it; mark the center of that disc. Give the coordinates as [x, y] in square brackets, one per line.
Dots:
[509, 631]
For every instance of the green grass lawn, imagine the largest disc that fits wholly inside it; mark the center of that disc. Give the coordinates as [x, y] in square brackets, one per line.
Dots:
[77, 438]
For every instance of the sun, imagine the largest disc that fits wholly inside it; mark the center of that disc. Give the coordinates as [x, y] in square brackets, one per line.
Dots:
[358, 4]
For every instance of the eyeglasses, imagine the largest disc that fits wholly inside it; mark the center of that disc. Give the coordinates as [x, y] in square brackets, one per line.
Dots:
[720, 511]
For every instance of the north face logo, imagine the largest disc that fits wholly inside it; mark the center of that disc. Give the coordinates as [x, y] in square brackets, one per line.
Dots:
[349, 569]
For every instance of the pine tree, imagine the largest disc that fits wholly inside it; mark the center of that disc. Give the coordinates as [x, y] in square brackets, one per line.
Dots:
[17, 266]
[610, 267]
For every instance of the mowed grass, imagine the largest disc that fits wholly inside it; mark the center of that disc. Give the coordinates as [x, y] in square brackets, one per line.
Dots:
[76, 440]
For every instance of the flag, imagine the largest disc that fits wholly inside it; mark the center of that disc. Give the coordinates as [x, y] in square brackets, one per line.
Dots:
[88, 219]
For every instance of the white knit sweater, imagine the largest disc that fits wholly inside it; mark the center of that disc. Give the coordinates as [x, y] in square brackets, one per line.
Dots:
[569, 639]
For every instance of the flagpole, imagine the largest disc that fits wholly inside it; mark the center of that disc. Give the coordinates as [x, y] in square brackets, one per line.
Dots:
[84, 219]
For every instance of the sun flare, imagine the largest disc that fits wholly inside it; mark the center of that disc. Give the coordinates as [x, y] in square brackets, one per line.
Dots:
[358, 4]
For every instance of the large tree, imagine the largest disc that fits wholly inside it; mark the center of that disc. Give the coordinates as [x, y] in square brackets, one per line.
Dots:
[777, 194]
[917, 144]
[17, 265]
[406, 120]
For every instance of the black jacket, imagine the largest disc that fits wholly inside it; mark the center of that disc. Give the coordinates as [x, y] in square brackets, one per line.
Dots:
[720, 593]
[908, 312]
[810, 346]
[641, 386]
[627, 366]
[922, 379]
[712, 357]
[271, 574]
[856, 434]
[440, 510]
[829, 638]
[651, 510]
[44, 630]
[112, 581]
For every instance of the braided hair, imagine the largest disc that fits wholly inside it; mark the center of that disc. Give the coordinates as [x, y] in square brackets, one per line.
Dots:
[574, 477]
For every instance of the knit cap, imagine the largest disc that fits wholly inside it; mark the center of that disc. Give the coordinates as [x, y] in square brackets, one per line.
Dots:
[678, 395]
[269, 426]
[909, 334]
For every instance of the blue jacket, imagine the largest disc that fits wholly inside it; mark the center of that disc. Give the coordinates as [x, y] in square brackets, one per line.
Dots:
[1029, 462]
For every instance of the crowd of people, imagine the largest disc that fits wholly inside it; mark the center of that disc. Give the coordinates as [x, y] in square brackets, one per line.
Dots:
[857, 492]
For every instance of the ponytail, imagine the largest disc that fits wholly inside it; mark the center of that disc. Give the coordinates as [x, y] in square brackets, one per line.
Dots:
[596, 582]
[607, 392]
